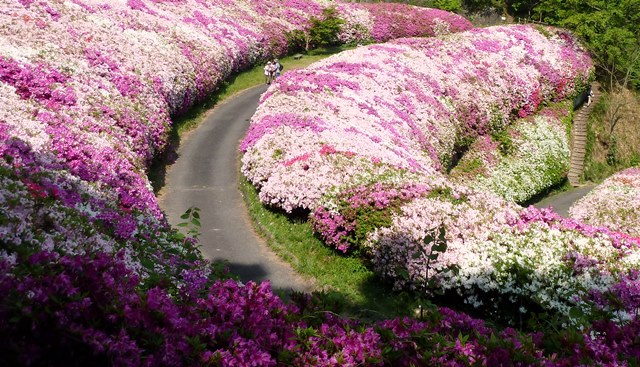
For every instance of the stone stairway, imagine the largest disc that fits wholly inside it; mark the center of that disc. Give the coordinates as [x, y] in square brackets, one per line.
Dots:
[579, 137]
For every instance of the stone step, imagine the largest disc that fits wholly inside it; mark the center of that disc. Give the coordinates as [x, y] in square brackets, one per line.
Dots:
[579, 137]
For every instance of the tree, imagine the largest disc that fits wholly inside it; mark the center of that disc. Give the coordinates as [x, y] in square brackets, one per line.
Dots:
[609, 28]
[324, 32]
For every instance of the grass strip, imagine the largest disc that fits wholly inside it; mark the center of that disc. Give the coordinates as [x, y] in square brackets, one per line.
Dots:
[345, 284]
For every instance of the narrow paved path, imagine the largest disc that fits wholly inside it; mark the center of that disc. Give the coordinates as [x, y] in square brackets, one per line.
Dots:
[205, 175]
[562, 202]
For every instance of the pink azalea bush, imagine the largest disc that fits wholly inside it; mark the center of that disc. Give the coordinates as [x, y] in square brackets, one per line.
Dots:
[403, 105]
[613, 204]
[386, 21]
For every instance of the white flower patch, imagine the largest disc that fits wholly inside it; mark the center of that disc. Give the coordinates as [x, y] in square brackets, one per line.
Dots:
[540, 160]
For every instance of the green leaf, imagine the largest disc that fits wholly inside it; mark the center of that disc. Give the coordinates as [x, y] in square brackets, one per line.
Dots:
[576, 313]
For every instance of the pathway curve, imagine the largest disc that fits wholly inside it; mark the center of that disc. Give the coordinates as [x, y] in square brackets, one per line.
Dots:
[205, 175]
[560, 203]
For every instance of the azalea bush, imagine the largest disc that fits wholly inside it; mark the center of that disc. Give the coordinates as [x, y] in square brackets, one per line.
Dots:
[365, 141]
[410, 104]
[90, 272]
[496, 259]
[613, 204]
[382, 22]
[91, 310]
[523, 160]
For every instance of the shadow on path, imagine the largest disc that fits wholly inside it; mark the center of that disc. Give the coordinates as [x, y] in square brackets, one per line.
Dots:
[205, 175]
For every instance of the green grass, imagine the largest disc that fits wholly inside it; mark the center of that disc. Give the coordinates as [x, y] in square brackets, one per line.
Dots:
[346, 284]
[235, 84]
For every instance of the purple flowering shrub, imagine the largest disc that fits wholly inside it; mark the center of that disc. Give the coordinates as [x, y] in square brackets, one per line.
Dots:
[91, 310]
[91, 307]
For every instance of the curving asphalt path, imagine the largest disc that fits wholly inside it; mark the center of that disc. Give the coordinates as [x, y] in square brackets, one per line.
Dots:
[561, 202]
[205, 175]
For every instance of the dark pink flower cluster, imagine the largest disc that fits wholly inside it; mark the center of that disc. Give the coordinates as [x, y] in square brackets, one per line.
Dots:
[360, 210]
[88, 309]
[392, 20]
[532, 215]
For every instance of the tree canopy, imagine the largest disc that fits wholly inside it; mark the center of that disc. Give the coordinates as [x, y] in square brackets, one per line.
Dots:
[609, 28]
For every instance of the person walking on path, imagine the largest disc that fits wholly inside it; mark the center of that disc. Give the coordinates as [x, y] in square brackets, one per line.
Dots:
[268, 72]
[278, 68]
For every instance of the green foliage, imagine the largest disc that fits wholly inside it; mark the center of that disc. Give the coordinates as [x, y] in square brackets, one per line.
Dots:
[473, 166]
[445, 193]
[503, 138]
[324, 31]
[191, 223]
[448, 5]
[610, 29]
[437, 243]
[367, 219]
[523, 8]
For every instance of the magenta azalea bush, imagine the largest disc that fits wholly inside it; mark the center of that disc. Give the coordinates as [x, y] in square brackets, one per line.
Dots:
[614, 204]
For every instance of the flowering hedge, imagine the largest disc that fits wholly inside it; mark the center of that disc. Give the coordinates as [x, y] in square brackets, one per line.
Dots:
[405, 105]
[90, 272]
[614, 204]
[383, 22]
[365, 145]
[523, 160]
